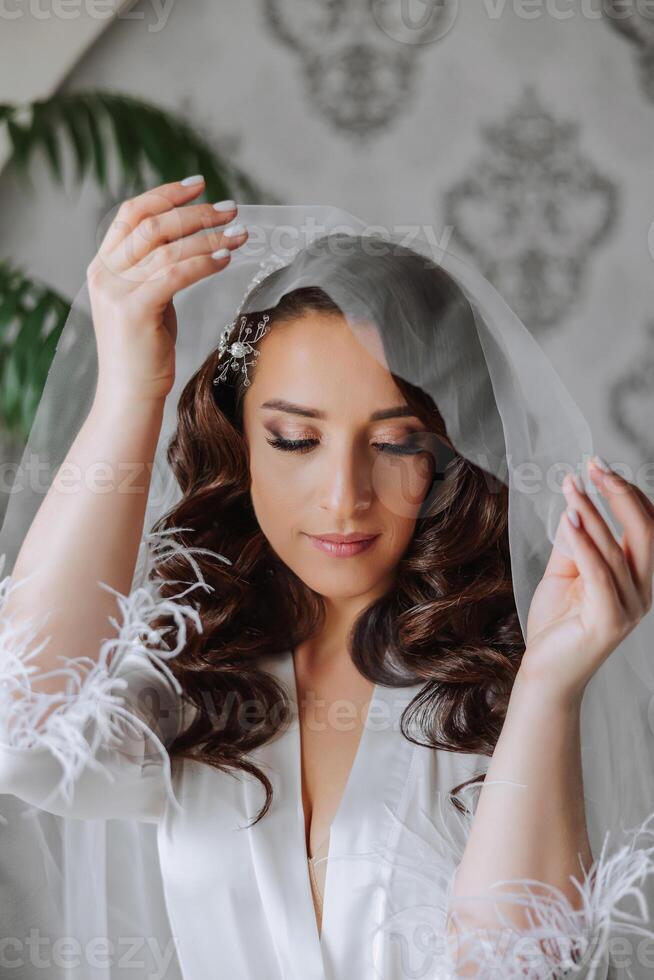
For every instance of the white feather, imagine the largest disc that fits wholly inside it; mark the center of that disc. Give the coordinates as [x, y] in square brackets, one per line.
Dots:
[92, 685]
[559, 940]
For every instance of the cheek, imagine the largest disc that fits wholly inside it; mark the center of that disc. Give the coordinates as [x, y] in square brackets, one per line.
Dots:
[275, 497]
[401, 483]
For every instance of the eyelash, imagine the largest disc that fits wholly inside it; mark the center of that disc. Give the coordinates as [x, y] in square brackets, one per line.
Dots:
[305, 445]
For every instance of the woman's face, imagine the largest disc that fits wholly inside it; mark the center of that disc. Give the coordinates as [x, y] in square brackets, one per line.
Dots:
[317, 385]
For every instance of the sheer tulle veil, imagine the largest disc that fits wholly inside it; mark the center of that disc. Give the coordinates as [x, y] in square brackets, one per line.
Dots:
[506, 410]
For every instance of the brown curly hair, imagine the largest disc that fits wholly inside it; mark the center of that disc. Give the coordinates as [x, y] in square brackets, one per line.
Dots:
[450, 619]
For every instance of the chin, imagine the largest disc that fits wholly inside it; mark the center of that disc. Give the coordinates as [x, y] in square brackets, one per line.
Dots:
[340, 583]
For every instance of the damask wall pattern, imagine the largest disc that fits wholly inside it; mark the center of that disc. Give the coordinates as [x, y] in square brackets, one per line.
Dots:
[631, 398]
[531, 209]
[530, 138]
[358, 67]
[635, 21]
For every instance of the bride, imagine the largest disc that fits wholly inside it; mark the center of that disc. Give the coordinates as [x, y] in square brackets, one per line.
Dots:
[351, 615]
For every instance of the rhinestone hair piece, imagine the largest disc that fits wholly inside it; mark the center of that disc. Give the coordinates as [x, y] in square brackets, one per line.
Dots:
[242, 347]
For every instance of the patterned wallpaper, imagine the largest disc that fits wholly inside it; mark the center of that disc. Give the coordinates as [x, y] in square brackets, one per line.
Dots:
[526, 133]
[531, 209]
[635, 23]
[631, 397]
[359, 60]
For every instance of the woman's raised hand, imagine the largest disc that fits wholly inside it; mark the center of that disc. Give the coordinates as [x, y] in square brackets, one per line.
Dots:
[584, 606]
[151, 251]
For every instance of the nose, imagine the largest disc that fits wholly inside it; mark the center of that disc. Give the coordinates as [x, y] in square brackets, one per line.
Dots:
[346, 486]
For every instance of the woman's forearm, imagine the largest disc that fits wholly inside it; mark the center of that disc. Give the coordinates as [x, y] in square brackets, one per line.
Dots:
[536, 828]
[87, 530]
[89, 526]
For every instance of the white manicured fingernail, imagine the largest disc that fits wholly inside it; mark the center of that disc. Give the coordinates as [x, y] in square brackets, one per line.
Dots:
[234, 231]
[220, 253]
[573, 517]
[603, 465]
[195, 179]
[224, 205]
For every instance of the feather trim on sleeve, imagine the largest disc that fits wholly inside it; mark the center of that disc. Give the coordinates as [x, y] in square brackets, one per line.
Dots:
[93, 685]
[560, 940]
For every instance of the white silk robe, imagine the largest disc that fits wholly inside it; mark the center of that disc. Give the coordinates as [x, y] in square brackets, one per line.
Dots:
[239, 899]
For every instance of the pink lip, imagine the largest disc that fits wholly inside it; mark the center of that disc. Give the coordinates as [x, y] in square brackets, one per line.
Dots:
[343, 548]
[343, 538]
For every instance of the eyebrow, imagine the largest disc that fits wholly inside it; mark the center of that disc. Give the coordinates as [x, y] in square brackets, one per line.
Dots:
[398, 411]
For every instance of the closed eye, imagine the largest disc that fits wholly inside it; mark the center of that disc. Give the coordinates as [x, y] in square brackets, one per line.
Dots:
[410, 448]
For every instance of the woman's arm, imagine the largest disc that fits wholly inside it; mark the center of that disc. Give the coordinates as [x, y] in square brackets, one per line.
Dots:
[530, 818]
[530, 822]
[88, 528]
[77, 647]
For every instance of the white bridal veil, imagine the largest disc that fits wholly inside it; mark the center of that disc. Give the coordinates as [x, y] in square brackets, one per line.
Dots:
[506, 411]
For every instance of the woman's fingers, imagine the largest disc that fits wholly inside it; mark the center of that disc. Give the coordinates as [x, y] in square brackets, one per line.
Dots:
[559, 563]
[164, 245]
[164, 257]
[597, 575]
[609, 550]
[170, 229]
[161, 288]
[133, 210]
[636, 515]
[625, 485]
